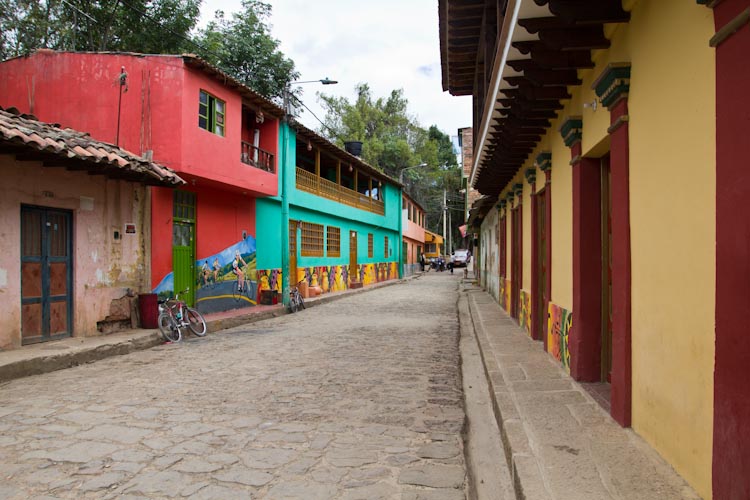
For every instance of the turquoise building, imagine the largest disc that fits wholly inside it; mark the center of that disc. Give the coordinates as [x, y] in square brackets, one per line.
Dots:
[335, 224]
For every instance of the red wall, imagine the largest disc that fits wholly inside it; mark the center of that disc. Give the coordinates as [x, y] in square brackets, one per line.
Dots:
[221, 217]
[158, 112]
[731, 449]
[161, 234]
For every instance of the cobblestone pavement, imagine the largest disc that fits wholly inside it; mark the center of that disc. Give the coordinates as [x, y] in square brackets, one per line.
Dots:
[356, 399]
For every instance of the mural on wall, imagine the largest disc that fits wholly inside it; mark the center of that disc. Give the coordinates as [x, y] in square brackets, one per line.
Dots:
[559, 322]
[506, 298]
[217, 282]
[526, 311]
[329, 278]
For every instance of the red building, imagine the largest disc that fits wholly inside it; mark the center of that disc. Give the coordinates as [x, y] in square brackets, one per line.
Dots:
[218, 135]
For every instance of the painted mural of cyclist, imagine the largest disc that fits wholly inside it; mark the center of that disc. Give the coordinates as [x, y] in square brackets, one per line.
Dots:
[237, 268]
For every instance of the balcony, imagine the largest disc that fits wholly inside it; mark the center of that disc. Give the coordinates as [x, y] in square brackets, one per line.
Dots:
[257, 158]
[307, 181]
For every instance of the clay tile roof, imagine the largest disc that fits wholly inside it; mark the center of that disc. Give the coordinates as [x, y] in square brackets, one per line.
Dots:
[76, 150]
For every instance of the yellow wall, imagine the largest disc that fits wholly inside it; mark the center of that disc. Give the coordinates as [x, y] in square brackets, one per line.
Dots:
[672, 210]
[562, 217]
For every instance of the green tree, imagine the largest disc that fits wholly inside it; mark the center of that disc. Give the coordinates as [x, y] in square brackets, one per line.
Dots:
[243, 46]
[393, 141]
[146, 26]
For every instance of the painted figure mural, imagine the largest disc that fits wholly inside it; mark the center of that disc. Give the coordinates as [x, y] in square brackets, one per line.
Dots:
[526, 311]
[224, 281]
[559, 323]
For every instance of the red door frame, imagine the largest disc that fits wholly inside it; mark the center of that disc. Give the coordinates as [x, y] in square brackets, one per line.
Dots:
[731, 432]
[514, 262]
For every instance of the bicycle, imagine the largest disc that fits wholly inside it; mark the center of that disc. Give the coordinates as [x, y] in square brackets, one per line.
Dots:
[245, 292]
[296, 303]
[174, 315]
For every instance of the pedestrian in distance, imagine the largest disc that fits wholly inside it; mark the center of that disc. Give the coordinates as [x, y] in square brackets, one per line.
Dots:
[421, 261]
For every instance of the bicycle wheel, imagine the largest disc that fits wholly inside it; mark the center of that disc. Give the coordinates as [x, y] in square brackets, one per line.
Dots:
[196, 323]
[168, 328]
[300, 302]
[236, 291]
[293, 303]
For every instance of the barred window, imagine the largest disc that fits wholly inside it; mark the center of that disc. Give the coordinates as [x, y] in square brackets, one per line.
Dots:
[370, 245]
[312, 240]
[385, 246]
[333, 242]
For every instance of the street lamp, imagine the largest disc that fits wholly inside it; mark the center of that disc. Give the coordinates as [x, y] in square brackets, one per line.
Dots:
[324, 81]
[288, 92]
[401, 174]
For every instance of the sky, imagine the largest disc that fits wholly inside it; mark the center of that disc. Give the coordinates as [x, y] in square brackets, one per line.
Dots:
[389, 44]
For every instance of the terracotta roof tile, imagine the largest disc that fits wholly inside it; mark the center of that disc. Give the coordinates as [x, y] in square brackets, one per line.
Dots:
[26, 132]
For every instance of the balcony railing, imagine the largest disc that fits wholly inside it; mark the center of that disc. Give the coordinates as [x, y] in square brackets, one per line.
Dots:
[256, 157]
[307, 181]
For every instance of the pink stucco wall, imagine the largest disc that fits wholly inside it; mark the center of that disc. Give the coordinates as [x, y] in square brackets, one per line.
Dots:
[103, 268]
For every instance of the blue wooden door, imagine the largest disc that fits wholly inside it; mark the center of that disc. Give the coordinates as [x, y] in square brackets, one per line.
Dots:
[46, 274]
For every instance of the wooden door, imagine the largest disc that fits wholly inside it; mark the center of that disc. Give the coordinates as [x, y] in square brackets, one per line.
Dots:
[292, 253]
[606, 218]
[183, 259]
[183, 245]
[46, 274]
[353, 273]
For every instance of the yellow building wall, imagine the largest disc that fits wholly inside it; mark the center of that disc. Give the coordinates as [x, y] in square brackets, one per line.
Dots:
[672, 210]
[562, 216]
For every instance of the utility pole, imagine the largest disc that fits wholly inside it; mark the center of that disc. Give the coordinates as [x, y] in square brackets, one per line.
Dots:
[445, 212]
[450, 232]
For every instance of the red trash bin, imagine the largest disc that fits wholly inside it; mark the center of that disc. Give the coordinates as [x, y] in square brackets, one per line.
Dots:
[148, 306]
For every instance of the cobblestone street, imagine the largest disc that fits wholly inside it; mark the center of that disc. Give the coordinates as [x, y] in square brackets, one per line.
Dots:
[359, 398]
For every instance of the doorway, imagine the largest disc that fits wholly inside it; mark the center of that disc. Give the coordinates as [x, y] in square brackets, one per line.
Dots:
[46, 274]
[183, 245]
[515, 262]
[293, 253]
[353, 274]
[541, 296]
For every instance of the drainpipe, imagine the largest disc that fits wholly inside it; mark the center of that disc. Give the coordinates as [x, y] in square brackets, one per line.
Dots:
[400, 245]
[284, 212]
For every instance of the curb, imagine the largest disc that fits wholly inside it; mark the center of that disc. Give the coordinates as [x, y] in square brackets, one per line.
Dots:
[528, 482]
[145, 339]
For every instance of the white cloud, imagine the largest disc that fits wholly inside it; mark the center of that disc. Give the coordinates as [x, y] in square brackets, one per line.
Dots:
[389, 44]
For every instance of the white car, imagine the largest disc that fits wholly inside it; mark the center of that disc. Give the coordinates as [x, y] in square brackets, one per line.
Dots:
[461, 258]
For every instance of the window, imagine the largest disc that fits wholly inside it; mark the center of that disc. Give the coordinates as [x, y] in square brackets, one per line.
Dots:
[370, 245]
[385, 246]
[430, 248]
[211, 113]
[333, 242]
[312, 239]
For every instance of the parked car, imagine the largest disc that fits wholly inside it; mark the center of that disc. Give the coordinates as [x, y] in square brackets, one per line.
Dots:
[461, 258]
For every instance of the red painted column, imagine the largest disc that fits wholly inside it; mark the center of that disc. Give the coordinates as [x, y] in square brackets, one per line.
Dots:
[731, 433]
[584, 340]
[534, 266]
[621, 383]
[612, 88]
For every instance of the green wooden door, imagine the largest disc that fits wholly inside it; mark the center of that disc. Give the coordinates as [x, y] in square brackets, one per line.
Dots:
[183, 245]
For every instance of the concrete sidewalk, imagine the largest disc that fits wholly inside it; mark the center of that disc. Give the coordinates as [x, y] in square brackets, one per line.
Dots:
[56, 355]
[560, 444]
